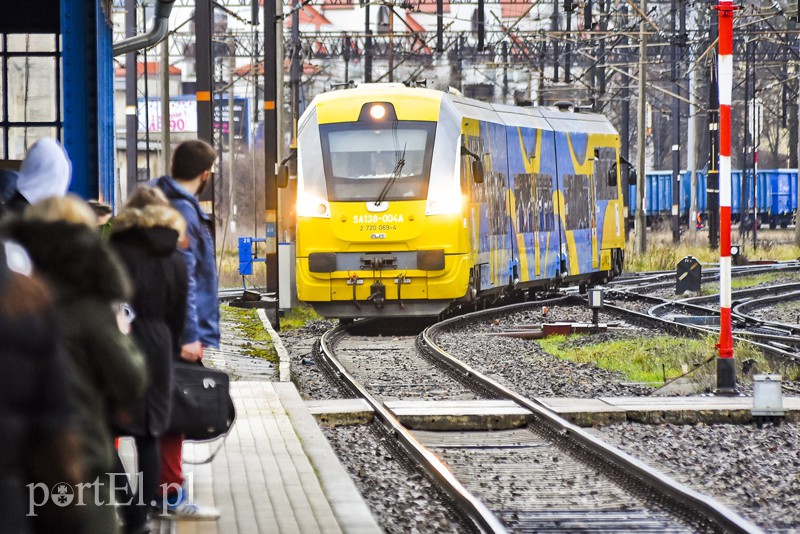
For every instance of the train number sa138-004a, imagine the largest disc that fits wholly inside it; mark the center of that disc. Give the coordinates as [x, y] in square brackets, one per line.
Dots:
[385, 218]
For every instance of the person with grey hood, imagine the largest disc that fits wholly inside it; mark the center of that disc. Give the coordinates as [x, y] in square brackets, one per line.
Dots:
[45, 172]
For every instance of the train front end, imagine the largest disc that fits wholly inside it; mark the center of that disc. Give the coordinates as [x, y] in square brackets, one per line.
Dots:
[380, 229]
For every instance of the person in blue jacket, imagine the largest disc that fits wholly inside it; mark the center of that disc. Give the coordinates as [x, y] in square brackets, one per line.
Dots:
[192, 166]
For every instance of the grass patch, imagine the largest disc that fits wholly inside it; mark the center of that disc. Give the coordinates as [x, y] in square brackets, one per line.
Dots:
[298, 316]
[663, 255]
[643, 360]
[228, 271]
[745, 282]
[257, 343]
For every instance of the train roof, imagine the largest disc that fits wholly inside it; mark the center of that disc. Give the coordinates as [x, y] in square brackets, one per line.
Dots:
[428, 101]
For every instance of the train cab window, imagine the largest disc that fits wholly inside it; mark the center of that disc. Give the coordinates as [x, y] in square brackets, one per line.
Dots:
[359, 159]
[605, 160]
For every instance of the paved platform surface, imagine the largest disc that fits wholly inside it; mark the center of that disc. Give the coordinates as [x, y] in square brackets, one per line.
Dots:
[676, 410]
[275, 472]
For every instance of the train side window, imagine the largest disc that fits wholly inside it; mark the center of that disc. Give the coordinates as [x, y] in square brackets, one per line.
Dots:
[605, 167]
[474, 144]
[544, 220]
[577, 214]
[524, 202]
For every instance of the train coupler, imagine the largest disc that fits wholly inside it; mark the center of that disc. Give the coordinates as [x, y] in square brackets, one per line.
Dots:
[377, 294]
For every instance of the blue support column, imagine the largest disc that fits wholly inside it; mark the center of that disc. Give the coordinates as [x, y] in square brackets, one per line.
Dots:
[87, 84]
[106, 133]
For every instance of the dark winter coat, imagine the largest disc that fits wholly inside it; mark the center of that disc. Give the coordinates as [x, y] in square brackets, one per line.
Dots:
[14, 206]
[105, 369]
[8, 184]
[34, 402]
[158, 273]
[202, 307]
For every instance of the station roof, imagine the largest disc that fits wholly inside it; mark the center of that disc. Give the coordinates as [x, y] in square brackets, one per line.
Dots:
[429, 6]
[413, 24]
[309, 15]
[153, 67]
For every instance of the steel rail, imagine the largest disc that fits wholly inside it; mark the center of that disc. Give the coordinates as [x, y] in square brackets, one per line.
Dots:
[483, 518]
[779, 331]
[703, 506]
[708, 275]
[777, 353]
[678, 305]
[227, 294]
[746, 293]
[696, 330]
[778, 335]
[739, 309]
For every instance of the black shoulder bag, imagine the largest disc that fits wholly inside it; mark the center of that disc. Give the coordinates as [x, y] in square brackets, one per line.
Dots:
[202, 408]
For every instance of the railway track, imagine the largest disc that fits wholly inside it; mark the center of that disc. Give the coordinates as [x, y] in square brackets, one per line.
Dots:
[778, 340]
[644, 283]
[547, 475]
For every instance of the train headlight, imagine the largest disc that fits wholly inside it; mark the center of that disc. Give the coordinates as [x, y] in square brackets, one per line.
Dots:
[377, 112]
[445, 205]
[309, 205]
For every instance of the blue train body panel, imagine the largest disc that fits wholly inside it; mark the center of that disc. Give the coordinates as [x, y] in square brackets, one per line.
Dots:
[569, 146]
[549, 241]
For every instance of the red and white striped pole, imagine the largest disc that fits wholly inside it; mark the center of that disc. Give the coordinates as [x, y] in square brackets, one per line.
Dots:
[726, 365]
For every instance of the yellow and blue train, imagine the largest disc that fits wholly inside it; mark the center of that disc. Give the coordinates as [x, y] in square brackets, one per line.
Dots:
[411, 201]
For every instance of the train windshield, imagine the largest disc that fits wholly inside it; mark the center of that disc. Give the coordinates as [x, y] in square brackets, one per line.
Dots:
[365, 163]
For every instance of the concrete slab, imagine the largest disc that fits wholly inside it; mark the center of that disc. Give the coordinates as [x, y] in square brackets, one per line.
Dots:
[584, 412]
[274, 473]
[660, 410]
[460, 414]
[284, 364]
[341, 411]
[351, 511]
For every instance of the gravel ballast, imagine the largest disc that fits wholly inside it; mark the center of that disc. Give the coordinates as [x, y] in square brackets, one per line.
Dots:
[401, 500]
[754, 471]
[527, 368]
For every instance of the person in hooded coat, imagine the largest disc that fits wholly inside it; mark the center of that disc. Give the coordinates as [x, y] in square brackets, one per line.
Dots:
[45, 172]
[145, 235]
[104, 367]
[37, 445]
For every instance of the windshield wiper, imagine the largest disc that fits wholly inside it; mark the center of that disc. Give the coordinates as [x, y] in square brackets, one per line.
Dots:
[398, 168]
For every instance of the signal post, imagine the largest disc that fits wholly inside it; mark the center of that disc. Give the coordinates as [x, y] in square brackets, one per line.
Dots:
[726, 365]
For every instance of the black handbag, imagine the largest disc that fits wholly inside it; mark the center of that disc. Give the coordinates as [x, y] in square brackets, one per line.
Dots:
[202, 408]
